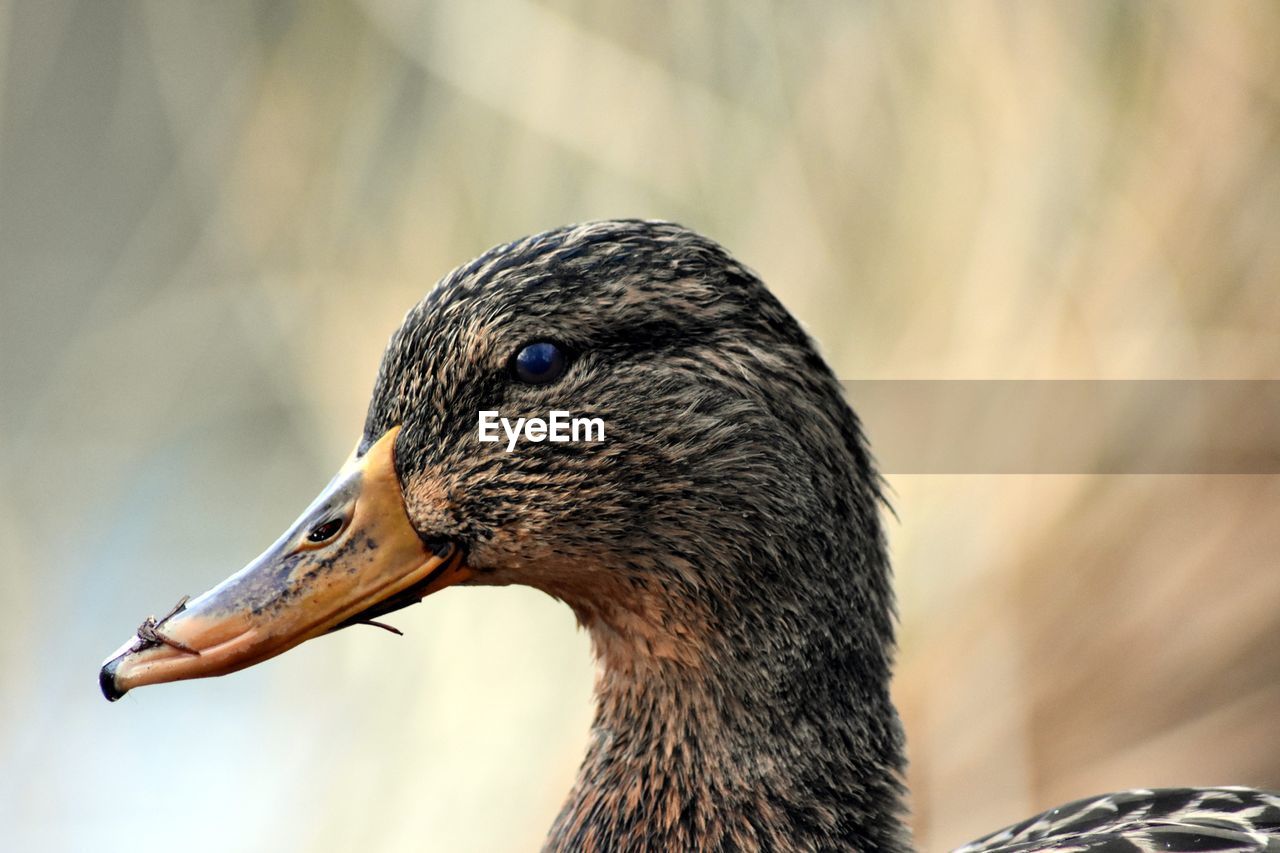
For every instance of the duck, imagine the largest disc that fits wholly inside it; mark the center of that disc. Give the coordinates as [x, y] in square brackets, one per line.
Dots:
[720, 538]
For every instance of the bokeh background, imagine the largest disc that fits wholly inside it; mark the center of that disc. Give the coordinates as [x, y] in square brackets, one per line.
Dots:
[213, 214]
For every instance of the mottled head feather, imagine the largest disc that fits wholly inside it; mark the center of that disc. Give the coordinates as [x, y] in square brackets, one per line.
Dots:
[722, 545]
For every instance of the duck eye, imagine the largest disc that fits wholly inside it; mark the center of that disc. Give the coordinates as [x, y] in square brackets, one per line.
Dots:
[539, 363]
[325, 530]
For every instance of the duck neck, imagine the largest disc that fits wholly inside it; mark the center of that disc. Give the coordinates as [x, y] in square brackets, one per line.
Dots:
[760, 721]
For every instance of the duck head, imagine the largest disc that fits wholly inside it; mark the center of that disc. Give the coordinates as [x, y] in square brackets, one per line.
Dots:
[725, 453]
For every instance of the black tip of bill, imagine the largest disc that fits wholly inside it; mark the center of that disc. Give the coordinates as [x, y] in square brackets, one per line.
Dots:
[107, 680]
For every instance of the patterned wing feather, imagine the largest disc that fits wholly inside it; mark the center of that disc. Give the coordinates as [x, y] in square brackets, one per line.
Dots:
[1145, 821]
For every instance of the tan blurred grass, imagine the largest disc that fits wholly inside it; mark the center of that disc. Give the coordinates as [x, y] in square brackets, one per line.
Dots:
[211, 216]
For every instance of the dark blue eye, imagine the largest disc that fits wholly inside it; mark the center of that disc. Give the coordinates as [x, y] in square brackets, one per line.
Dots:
[539, 363]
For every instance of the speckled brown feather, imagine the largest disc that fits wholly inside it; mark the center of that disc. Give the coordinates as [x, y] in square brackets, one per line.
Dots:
[722, 546]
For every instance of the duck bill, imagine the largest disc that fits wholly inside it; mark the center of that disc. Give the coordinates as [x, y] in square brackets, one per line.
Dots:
[352, 555]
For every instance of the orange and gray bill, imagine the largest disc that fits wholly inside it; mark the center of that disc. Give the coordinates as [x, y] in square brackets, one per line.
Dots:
[352, 555]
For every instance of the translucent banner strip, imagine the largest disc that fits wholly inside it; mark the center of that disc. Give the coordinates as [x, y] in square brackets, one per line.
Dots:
[1071, 426]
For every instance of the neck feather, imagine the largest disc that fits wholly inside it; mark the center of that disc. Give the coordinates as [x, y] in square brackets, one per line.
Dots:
[746, 641]
[773, 732]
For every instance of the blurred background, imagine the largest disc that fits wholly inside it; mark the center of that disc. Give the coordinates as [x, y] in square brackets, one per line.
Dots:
[213, 214]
